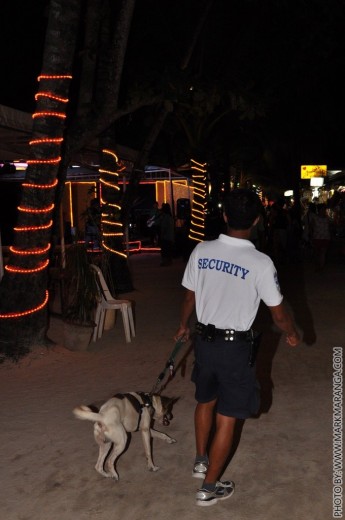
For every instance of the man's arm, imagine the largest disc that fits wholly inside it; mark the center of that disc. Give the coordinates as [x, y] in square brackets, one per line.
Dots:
[283, 319]
[188, 306]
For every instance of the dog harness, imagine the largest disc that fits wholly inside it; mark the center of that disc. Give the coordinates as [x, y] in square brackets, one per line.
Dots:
[137, 405]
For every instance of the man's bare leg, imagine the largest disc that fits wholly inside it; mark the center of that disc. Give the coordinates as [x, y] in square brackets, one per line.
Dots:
[203, 420]
[221, 442]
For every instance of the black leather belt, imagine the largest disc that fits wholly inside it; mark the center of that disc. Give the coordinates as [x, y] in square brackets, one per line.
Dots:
[210, 331]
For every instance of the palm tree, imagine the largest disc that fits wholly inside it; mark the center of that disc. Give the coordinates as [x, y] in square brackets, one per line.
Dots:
[23, 289]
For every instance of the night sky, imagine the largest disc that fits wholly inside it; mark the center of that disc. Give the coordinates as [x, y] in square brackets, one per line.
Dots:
[289, 54]
[22, 36]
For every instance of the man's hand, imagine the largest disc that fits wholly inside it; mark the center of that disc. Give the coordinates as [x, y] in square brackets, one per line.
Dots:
[293, 339]
[188, 305]
[283, 319]
[182, 334]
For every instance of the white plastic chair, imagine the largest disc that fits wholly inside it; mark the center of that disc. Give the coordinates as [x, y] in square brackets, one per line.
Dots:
[107, 302]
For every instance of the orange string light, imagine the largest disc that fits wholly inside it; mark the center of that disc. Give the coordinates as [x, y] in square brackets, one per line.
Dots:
[31, 210]
[113, 250]
[110, 152]
[60, 115]
[111, 223]
[109, 172]
[40, 186]
[43, 140]
[105, 215]
[22, 270]
[198, 205]
[113, 154]
[54, 76]
[25, 313]
[44, 161]
[28, 252]
[114, 186]
[51, 96]
[35, 228]
[110, 204]
[193, 161]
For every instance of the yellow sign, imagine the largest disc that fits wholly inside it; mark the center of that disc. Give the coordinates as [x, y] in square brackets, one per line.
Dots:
[311, 171]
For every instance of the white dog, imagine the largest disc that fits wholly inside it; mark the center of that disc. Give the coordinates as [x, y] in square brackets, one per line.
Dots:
[124, 413]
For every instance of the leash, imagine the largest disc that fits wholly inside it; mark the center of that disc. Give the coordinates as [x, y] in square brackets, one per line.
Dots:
[170, 365]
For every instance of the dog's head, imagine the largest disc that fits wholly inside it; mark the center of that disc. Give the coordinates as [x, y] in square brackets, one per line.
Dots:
[163, 406]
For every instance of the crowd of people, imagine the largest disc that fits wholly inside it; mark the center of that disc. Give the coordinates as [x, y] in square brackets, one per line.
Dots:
[285, 233]
[305, 235]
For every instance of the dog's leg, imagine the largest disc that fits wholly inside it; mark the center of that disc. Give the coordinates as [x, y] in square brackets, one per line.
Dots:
[146, 436]
[104, 448]
[104, 445]
[118, 437]
[162, 436]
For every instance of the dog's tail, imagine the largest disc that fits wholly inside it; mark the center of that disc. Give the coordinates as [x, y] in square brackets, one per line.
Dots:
[85, 413]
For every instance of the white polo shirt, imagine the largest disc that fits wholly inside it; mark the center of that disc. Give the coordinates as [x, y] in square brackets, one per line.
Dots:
[230, 278]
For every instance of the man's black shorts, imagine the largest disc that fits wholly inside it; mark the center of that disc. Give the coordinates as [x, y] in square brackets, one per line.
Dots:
[221, 372]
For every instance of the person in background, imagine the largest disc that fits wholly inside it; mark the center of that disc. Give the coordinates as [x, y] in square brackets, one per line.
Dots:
[320, 228]
[257, 233]
[166, 234]
[307, 246]
[225, 280]
[280, 223]
[93, 225]
[152, 224]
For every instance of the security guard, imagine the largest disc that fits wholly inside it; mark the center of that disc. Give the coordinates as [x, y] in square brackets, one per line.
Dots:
[225, 280]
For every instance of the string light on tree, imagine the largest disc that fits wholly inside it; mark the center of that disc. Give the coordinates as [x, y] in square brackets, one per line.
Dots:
[60, 115]
[45, 140]
[31, 210]
[46, 154]
[111, 239]
[197, 227]
[25, 313]
[54, 76]
[28, 252]
[50, 96]
[34, 228]
[109, 172]
[40, 186]
[13, 269]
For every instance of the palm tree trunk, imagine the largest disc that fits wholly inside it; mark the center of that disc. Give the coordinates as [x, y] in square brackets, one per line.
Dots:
[23, 295]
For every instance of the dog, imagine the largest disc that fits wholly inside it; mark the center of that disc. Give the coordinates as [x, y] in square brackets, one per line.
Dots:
[123, 413]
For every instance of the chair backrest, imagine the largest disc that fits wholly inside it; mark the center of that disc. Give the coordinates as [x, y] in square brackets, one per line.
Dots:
[102, 283]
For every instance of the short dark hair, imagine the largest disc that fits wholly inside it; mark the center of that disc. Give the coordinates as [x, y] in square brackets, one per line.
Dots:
[166, 208]
[242, 207]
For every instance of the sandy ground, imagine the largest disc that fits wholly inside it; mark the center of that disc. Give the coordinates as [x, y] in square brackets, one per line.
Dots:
[283, 461]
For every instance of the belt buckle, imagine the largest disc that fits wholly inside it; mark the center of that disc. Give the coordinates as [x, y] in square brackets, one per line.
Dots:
[229, 334]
